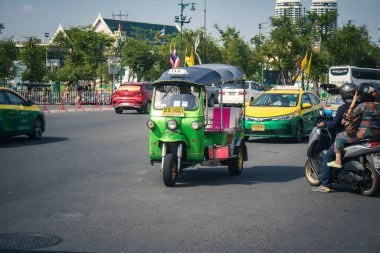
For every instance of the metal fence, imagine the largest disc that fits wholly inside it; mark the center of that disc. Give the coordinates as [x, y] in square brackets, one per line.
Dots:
[68, 97]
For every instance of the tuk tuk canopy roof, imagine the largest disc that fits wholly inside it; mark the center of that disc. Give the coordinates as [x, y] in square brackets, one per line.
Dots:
[204, 74]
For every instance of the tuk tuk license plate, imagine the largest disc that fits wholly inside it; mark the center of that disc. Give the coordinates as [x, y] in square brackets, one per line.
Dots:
[173, 111]
[258, 128]
[376, 161]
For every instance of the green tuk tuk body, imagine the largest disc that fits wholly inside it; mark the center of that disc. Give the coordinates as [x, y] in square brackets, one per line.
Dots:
[185, 132]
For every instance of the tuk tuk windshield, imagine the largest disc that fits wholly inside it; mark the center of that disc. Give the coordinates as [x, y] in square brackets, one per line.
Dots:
[186, 96]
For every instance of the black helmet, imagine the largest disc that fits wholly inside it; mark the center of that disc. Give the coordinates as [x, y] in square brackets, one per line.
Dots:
[365, 92]
[347, 91]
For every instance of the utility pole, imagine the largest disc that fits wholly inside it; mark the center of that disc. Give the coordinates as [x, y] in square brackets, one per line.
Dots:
[47, 44]
[182, 20]
[261, 41]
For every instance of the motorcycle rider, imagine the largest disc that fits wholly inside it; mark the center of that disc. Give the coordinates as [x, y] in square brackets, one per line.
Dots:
[369, 110]
[347, 92]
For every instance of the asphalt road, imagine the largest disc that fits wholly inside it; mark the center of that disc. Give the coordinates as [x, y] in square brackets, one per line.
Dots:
[89, 183]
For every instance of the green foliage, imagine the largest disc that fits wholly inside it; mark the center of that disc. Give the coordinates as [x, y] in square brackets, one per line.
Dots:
[235, 50]
[8, 54]
[85, 53]
[138, 56]
[351, 45]
[1, 27]
[32, 56]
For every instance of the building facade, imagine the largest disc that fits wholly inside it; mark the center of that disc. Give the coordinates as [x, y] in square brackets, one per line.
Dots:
[321, 7]
[290, 8]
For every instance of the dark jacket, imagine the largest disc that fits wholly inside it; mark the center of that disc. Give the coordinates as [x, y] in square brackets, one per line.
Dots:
[336, 123]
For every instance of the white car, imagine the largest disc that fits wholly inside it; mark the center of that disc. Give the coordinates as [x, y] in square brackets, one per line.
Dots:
[233, 92]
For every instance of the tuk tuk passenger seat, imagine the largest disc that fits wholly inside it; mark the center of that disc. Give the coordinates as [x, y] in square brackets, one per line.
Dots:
[230, 117]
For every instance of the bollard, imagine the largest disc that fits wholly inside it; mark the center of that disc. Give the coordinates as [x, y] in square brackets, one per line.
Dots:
[63, 108]
[45, 106]
[97, 102]
[80, 107]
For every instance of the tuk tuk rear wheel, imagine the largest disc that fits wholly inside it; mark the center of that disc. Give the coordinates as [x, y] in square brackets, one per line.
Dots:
[170, 170]
[235, 164]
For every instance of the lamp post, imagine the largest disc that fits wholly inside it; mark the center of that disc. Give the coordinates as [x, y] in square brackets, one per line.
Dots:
[47, 36]
[261, 41]
[182, 20]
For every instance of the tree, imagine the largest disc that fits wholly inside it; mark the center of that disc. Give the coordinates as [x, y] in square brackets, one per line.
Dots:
[283, 49]
[8, 54]
[1, 27]
[138, 56]
[235, 50]
[351, 45]
[85, 53]
[33, 57]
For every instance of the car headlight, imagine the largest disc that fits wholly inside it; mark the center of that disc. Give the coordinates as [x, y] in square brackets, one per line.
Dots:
[196, 125]
[150, 124]
[284, 117]
[171, 124]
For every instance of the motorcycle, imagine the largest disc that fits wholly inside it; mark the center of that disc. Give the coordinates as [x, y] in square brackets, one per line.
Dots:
[361, 162]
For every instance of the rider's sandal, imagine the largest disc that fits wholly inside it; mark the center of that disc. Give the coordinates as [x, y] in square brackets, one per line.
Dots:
[334, 165]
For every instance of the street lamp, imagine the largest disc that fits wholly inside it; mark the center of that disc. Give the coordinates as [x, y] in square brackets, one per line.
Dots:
[261, 41]
[47, 36]
[182, 20]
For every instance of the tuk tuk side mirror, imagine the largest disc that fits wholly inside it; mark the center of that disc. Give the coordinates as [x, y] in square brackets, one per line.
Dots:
[306, 106]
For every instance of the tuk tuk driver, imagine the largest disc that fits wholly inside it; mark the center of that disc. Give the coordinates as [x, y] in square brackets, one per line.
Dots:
[185, 98]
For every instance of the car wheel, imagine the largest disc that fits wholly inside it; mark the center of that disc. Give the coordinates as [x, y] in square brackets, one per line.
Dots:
[147, 108]
[118, 110]
[37, 130]
[299, 132]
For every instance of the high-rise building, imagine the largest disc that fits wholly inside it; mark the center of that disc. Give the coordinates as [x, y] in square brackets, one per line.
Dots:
[290, 8]
[324, 6]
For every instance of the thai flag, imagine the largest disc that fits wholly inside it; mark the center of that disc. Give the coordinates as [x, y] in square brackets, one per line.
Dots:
[162, 32]
[174, 59]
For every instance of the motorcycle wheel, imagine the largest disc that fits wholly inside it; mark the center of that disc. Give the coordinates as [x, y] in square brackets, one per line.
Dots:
[170, 171]
[372, 186]
[310, 176]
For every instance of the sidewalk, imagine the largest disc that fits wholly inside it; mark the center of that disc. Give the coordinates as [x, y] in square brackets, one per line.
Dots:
[74, 108]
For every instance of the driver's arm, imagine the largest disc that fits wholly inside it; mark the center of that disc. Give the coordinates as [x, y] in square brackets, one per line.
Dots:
[337, 122]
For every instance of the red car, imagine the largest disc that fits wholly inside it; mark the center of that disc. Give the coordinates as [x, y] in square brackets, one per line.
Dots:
[133, 96]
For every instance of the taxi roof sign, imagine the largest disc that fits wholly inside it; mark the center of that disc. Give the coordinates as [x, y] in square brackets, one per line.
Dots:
[178, 72]
[286, 87]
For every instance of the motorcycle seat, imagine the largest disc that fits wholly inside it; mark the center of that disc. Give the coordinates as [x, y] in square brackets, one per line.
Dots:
[374, 139]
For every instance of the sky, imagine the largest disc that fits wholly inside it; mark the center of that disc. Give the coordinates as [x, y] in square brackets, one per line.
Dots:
[24, 18]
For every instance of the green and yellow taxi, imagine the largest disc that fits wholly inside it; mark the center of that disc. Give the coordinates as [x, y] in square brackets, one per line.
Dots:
[285, 112]
[19, 116]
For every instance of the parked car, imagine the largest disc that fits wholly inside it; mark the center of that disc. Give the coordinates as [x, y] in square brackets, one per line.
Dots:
[19, 116]
[286, 111]
[233, 92]
[133, 96]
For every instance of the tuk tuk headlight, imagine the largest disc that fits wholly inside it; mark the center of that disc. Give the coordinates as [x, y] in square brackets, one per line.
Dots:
[150, 124]
[171, 124]
[196, 125]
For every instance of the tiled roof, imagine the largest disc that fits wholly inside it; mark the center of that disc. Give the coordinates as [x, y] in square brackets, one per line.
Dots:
[130, 27]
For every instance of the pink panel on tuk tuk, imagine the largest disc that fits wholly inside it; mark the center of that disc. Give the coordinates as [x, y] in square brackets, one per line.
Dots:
[216, 119]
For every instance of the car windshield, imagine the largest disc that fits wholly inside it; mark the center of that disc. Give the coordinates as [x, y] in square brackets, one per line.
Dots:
[186, 96]
[276, 100]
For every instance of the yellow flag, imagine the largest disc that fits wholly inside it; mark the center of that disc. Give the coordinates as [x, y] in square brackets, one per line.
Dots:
[190, 60]
[308, 65]
[304, 62]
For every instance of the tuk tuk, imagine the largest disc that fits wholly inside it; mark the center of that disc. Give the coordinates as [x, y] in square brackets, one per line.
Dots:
[184, 131]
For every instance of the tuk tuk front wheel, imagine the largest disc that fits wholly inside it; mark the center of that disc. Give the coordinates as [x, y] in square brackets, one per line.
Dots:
[235, 164]
[170, 171]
